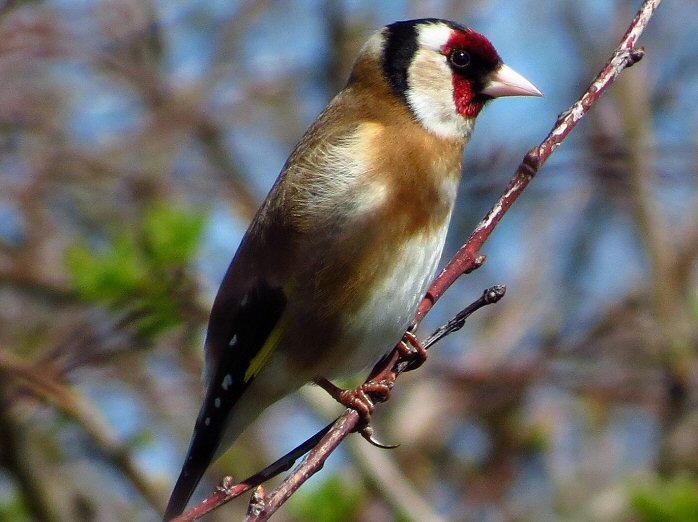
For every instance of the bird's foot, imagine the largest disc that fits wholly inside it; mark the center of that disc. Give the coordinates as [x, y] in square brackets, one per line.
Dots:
[362, 400]
[410, 347]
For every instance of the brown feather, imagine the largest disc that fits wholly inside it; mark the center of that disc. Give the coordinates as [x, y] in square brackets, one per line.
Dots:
[319, 244]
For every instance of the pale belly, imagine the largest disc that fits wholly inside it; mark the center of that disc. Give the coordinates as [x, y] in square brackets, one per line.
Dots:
[372, 331]
[382, 320]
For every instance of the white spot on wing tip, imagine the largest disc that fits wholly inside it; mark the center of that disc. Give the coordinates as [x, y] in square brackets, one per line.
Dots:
[217, 402]
[227, 381]
[207, 421]
[234, 340]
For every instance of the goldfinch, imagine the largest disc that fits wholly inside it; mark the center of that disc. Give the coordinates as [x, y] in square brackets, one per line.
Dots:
[330, 273]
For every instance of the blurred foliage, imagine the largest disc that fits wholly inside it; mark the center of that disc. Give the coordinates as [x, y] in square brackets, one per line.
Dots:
[671, 500]
[13, 510]
[139, 271]
[335, 499]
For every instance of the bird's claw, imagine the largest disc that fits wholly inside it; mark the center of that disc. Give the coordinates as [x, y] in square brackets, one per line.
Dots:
[362, 400]
[410, 347]
[367, 433]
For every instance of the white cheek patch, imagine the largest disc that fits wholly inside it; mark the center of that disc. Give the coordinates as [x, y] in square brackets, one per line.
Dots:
[430, 96]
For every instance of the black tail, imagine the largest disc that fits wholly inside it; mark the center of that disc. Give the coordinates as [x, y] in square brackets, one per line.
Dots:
[199, 456]
[205, 441]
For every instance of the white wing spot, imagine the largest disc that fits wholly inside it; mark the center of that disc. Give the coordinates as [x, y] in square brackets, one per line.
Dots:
[227, 381]
[234, 340]
[245, 298]
[217, 402]
[207, 421]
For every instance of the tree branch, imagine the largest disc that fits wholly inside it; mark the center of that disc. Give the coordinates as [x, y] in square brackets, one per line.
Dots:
[466, 260]
[81, 411]
[468, 257]
[16, 459]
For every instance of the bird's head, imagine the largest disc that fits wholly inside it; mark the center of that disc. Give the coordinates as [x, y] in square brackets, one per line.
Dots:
[444, 72]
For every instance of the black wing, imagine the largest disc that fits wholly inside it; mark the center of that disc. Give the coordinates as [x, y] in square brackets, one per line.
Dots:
[239, 330]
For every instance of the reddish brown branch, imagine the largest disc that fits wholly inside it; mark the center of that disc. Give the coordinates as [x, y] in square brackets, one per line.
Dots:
[227, 488]
[466, 260]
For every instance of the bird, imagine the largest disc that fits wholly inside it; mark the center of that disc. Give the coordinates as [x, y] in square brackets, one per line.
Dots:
[333, 266]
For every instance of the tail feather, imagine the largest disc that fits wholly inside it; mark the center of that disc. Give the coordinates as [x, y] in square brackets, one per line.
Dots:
[221, 420]
[199, 456]
[183, 490]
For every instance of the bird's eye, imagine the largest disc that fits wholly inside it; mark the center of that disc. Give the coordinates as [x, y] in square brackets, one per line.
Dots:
[459, 58]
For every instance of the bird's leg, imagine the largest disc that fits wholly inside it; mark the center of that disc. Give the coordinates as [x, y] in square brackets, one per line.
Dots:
[412, 348]
[362, 400]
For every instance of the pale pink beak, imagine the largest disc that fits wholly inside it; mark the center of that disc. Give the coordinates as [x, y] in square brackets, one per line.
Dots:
[505, 81]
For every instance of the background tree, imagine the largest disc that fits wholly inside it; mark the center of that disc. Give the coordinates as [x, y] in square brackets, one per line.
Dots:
[136, 140]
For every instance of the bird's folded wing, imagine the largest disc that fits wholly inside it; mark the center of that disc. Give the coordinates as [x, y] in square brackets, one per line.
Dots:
[251, 331]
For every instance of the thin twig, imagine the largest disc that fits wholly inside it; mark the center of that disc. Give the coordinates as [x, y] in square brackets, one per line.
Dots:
[378, 470]
[17, 460]
[489, 296]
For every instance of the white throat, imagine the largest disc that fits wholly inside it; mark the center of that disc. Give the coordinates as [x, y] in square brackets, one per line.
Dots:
[438, 113]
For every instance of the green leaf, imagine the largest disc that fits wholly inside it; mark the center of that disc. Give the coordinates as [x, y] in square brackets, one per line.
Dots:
[667, 500]
[141, 269]
[171, 236]
[334, 500]
[106, 276]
